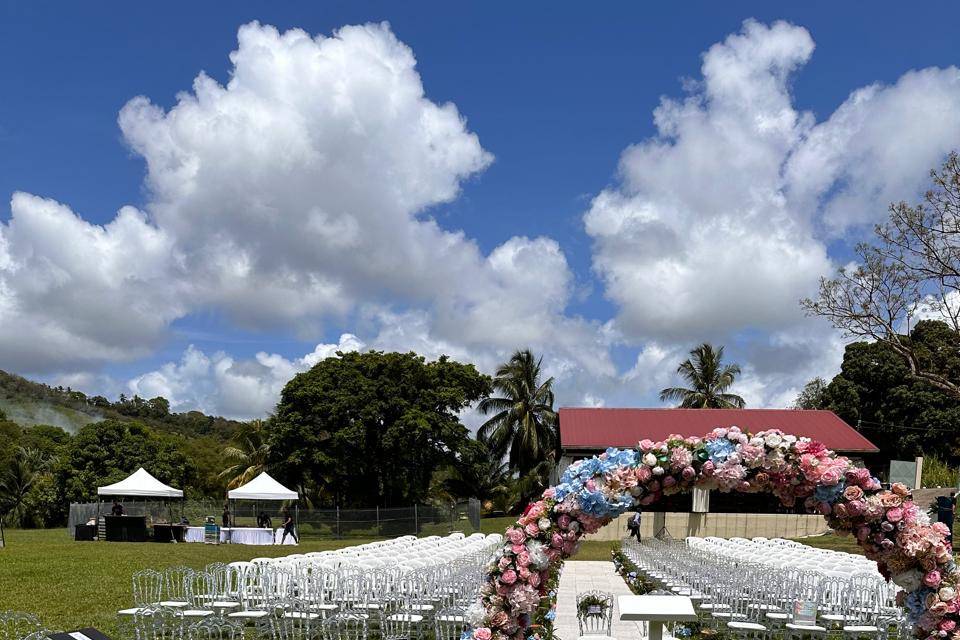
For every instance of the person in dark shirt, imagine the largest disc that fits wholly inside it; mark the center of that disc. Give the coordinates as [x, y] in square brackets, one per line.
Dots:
[117, 509]
[945, 512]
[288, 527]
[264, 521]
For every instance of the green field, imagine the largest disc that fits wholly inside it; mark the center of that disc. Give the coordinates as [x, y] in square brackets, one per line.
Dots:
[75, 584]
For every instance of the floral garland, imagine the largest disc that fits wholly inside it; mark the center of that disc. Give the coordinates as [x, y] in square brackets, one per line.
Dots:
[636, 582]
[892, 530]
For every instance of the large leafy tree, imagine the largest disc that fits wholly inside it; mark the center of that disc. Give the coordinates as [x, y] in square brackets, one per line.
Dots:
[709, 380]
[248, 455]
[523, 424]
[877, 392]
[108, 451]
[372, 428]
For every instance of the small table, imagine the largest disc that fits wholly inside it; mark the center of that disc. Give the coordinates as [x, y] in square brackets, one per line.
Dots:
[656, 610]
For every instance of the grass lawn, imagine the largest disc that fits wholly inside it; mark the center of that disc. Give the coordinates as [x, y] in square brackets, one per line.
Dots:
[76, 584]
[834, 542]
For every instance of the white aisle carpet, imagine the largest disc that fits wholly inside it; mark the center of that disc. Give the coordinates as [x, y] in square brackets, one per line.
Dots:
[579, 576]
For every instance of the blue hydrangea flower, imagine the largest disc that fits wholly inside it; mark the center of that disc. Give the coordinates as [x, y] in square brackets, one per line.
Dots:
[551, 615]
[828, 493]
[720, 449]
[622, 458]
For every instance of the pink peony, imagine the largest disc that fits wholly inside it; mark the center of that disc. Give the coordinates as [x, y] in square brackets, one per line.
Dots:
[900, 489]
[643, 473]
[932, 578]
[516, 536]
[895, 514]
[646, 445]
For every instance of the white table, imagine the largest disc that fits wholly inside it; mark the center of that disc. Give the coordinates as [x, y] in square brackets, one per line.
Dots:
[656, 610]
[193, 534]
[241, 535]
[246, 535]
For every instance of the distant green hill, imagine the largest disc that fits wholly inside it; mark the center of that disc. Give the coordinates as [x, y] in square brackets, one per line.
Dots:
[28, 403]
[30, 411]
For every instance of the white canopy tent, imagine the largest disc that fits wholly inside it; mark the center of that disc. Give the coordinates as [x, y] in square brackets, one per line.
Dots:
[263, 487]
[140, 484]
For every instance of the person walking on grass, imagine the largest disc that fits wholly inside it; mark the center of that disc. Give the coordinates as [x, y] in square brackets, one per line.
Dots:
[288, 527]
[633, 524]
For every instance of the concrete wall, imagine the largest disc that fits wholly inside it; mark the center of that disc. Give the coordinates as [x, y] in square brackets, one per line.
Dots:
[722, 525]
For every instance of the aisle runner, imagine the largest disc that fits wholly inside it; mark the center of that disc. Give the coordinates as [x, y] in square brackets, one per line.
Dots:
[579, 576]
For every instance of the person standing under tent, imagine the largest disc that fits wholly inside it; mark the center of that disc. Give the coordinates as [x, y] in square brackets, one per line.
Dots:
[117, 509]
[225, 518]
[288, 526]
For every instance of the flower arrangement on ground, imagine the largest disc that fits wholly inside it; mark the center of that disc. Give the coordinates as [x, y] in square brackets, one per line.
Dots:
[892, 530]
[635, 580]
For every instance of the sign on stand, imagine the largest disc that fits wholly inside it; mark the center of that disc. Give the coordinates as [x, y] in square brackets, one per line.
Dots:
[805, 612]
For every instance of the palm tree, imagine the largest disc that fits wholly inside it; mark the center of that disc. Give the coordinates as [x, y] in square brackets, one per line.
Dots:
[249, 454]
[524, 425]
[709, 381]
[18, 479]
[480, 474]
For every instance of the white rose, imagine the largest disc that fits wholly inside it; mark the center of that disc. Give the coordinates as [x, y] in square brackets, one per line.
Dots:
[773, 440]
[649, 459]
[543, 523]
[733, 458]
[756, 442]
[658, 471]
[790, 439]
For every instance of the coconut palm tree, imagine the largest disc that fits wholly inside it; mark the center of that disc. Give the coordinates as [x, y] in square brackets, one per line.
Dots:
[18, 478]
[709, 381]
[523, 425]
[248, 454]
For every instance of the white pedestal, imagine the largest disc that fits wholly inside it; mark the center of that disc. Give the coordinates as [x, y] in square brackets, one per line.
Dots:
[656, 610]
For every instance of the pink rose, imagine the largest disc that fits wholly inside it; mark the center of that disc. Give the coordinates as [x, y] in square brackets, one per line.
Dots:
[840, 510]
[499, 619]
[646, 444]
[508, 577]
[948, 625]
[517, 548]
[482, 633]
[516, 536]
[550, 493]
[688, 473]
[531, 530]
[932, 578]
[900, 489]
[643, 473]
[564, 521]
[852, 493]
[534, 579]
[524, 573]
[895, 514]
[669, 481]
[504, 562]
[556, 541]
[523, 559]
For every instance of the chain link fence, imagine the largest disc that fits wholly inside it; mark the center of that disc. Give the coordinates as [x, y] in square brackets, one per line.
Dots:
[377, 522]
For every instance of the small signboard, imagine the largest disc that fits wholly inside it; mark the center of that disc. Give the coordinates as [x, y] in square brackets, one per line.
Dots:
[805, 612]
[904, 472]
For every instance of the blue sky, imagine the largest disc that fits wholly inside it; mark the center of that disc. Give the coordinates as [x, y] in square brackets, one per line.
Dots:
[554, 94]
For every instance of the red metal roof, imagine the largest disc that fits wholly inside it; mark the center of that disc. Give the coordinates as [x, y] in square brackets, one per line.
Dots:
[599, 428]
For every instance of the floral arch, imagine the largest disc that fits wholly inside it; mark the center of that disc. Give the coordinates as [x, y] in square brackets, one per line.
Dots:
[887, 524]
